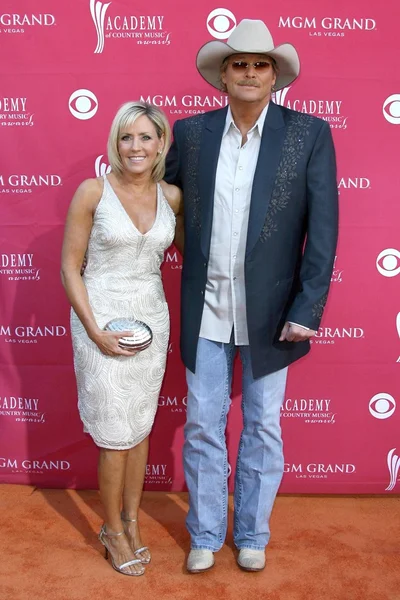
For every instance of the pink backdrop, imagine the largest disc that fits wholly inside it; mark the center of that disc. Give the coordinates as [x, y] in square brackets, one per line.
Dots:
[65, 69]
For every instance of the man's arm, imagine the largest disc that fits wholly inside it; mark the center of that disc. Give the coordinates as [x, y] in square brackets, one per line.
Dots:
[179, 239]
[320, 248]
[172, 176]
[172, 163]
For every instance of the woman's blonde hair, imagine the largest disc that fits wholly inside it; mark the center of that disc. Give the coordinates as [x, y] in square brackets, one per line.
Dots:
[125, 117]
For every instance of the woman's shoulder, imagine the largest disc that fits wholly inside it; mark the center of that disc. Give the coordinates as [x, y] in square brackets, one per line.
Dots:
[173, 195]
[88, 193]
[91, 186]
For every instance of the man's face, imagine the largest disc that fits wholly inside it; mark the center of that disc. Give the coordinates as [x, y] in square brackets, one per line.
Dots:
[249, 77]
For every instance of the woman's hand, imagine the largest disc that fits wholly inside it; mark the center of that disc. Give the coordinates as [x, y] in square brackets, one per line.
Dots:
[107, 342]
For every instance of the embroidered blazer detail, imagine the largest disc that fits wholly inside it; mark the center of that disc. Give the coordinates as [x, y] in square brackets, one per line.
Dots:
[293, 149]
[318, 307]
[194, 127]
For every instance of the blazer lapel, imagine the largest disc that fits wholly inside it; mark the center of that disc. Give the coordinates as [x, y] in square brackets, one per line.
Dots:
[264, 177]
[208, 161]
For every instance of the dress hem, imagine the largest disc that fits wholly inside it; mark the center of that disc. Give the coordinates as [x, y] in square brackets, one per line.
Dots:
[108, 447]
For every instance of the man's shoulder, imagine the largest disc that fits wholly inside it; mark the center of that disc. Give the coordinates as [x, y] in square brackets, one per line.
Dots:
[200, 119]
[188, 121]
[301, 117]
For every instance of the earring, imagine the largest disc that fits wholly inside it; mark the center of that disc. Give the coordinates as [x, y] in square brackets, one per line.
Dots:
[159, 152]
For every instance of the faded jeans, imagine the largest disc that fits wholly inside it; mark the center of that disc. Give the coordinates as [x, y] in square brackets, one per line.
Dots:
[259, 467]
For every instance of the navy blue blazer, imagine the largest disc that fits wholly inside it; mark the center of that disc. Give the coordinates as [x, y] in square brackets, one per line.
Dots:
[292, 230]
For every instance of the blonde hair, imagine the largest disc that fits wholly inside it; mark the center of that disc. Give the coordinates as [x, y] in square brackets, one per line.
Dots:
[125, 117]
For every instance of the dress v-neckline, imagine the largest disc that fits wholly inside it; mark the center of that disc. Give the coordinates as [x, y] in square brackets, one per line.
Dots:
[127, 214]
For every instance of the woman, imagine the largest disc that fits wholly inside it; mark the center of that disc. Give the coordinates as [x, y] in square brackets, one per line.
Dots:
[123, 222]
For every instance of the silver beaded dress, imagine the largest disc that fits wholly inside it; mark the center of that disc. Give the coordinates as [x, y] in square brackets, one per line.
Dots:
[118, 396]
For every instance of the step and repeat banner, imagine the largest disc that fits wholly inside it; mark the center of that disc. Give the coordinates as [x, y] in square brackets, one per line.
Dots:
[65, 70]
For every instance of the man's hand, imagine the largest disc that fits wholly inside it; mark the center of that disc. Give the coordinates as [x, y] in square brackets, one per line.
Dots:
[294, 333]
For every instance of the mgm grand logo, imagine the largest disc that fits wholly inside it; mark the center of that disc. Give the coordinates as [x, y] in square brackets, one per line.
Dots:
[328, 26]
[22, 334]
[188, 104]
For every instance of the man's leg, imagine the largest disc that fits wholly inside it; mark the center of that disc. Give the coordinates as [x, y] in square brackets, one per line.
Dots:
[259, 467]
[204, 452]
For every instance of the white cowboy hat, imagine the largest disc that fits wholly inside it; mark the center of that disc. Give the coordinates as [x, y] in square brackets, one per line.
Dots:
[250, 36]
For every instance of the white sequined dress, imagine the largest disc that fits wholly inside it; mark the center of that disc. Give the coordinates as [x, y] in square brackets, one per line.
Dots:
[118, 396]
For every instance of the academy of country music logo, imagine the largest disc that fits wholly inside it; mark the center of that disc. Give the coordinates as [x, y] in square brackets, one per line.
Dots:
[33, 465]
[388, 262]
[393, 463]
[15, 112]
[101, 168]
[220, 23]
[186, 105]
[157, 474]
[141, 29]
[11, 23]
[312, 411]
[19, 267]
[21, 410]
[19, 183]
[318, 470]
[391, 109]
[328, 26]
[30, 334]
[328, 110]
[337, 273]
[333, 335]
[382, 406]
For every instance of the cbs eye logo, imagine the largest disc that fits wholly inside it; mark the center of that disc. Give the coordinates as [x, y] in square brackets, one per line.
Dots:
[83, 104]
[220, 23]
[388, 262]
[382, 406]
[391, 109]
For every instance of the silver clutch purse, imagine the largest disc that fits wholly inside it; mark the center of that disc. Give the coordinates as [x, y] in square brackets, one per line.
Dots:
[141, 337]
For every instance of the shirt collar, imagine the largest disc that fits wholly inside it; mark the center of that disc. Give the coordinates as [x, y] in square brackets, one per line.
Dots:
[259, 124]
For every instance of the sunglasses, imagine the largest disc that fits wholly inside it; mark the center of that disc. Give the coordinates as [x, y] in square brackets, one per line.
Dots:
[242, 65]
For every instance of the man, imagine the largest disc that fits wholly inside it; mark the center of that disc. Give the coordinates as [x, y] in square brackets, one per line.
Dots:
[259, 185]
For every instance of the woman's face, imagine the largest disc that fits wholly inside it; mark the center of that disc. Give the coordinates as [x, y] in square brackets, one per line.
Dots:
[138, 146]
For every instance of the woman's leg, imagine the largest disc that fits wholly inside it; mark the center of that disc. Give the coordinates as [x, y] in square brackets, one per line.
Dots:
[111, 474]
[132, 494]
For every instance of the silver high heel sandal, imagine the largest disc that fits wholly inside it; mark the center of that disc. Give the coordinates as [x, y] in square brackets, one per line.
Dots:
[144, 561]
[119, 568]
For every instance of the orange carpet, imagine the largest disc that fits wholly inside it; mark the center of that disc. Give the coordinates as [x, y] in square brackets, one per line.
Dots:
[322, 548]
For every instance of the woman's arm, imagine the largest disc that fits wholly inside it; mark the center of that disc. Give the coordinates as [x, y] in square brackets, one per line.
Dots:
[174, 197]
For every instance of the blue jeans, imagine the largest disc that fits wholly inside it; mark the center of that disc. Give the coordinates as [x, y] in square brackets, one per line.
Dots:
[259, 466]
